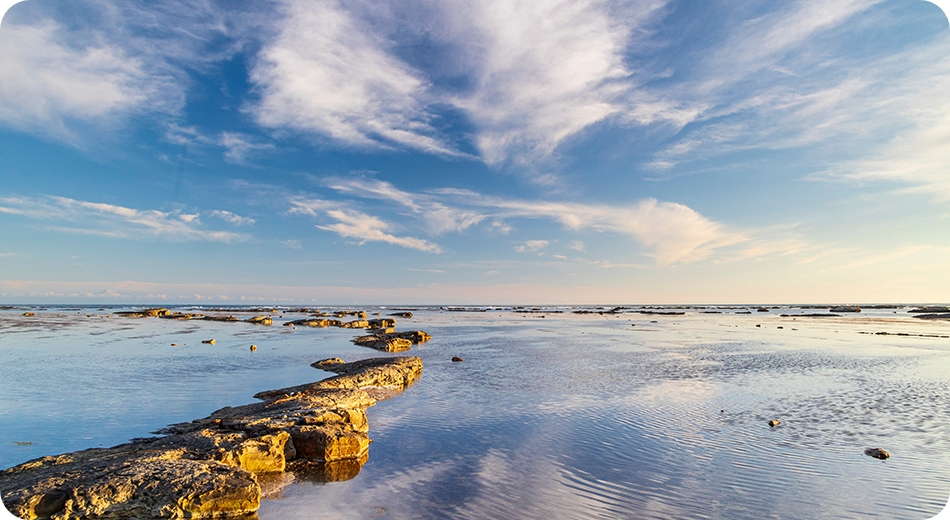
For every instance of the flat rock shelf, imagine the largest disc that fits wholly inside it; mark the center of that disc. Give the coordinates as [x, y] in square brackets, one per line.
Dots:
[221, 465]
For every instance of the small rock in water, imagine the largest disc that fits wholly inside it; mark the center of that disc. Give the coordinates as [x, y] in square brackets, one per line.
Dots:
[174, 344]
[456, 359]
[328, 362]
[209, 341]
[253, 348]
[877, 453]
[28, 314]
[774, 422]
[758, 325]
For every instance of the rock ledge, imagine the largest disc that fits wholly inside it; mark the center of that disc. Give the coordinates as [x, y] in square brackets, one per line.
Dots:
[219, 466]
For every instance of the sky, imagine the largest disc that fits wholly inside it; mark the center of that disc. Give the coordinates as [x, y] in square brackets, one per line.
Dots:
[490, 152]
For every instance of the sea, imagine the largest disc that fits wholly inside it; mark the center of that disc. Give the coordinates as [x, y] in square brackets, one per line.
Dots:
[652, 412]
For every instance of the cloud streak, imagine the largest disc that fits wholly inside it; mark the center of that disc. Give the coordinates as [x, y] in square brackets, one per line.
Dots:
[355, 224]
[95, 218]
[46, 84]
[671, 232]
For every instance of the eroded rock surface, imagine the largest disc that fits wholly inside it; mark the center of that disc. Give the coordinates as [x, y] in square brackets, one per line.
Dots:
[388, 340]
[221, 465]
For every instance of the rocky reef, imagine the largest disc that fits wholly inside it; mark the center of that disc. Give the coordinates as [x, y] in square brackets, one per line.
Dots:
[389, 340]
[221, 465]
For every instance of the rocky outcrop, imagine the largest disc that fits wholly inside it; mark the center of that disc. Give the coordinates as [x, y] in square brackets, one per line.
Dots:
[877, 453]
[845, 308]
[221, 318]
[146, 313]
[315, 322]
[223, 464]
[930, 309]
[934, 316]
[182, 316]
[388, 340]
[261, 320]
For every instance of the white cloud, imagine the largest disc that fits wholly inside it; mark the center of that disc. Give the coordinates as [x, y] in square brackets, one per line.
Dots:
[46, 84]
[763, 42]
[366, 228]
[326, 73]
[535, 73]
[878, 122]
[916, 157]
[310, 207]
[239, 146]
[293, 244]
[543, 71]
[96, 218]
[499, 227]
[233, 218]
[355, 224]
[917, 162]
[438, 217]
[673, 233]
[532, 245]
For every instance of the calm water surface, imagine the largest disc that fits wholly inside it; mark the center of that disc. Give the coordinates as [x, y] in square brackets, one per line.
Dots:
[560, 416]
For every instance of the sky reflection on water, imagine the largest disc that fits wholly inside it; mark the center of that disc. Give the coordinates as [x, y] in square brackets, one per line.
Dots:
[566, 416]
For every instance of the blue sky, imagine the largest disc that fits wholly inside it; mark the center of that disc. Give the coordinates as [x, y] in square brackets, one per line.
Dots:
[649, 151]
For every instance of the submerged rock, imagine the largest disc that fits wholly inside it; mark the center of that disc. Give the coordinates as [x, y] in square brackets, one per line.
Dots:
[216, 466]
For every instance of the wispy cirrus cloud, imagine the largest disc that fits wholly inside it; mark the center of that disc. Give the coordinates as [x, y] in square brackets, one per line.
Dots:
[914, 156]
[532, 246]
[355, 224]
[48, 84]
[544, 71]
[526, 75]
[438, 217]
[367, 228]
[327, 73]
[62, 75]
[786, 79]
[95, 218]
[233, 218]
[671, 232]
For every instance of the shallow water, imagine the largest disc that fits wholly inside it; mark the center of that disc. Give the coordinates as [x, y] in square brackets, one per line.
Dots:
[561, 416]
